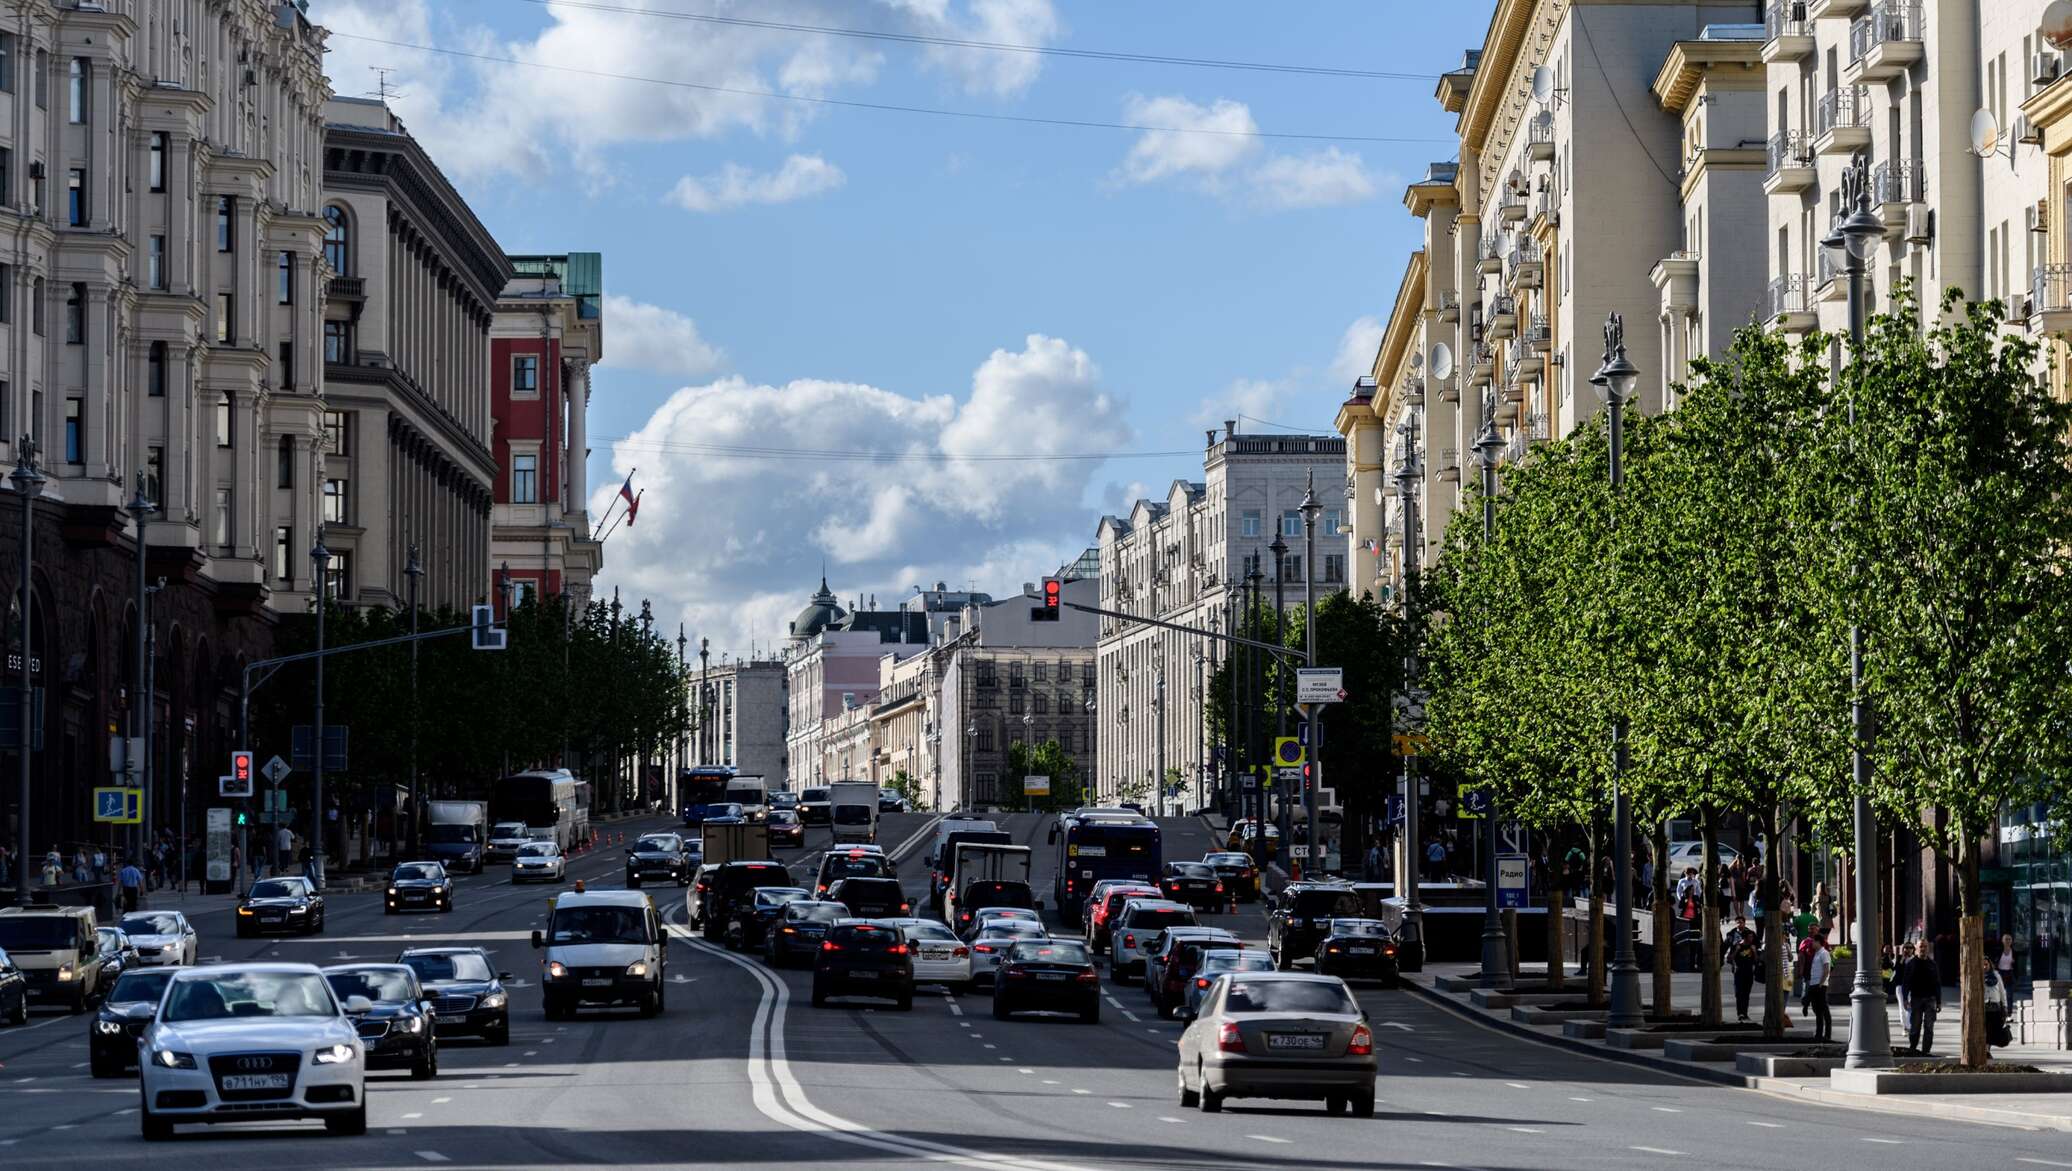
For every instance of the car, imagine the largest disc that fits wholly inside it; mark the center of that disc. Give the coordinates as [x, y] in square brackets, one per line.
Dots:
[721, 888]
[539, 862]
[57, 950]
[813, 807]
[466, 991]
[504, 839]
[281, 904]
[602, 947]
[1358, 949]
[993, 940]
[850, 862]
[14, 992]
[864, 957]
[118, 954]
[797, 932]
[939, 956]
[983, 917]
[1278, 1035]
[1134, 933]
[162, 937]
[749, 926]
[1239, 872]
[229, 1044]
[396, 1027]
[1193, 883]
[1047, 975]
[418, 886]
[872, 898]
[658, 857]
[785, 828]
[1245, 829]
[1297, 917]
[111, 1040]
[1691, 855]
[781, 800]
[1213, 964]
[1107, 902]
[725, 813]
[889, 801]
[1167, 970]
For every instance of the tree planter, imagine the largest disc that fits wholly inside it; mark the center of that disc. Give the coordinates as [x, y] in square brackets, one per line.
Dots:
[1881, 1081]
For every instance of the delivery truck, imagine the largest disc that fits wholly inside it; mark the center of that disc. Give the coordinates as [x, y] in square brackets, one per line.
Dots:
[734, 842]
[457, 834]
[853, 811]
[986, 874]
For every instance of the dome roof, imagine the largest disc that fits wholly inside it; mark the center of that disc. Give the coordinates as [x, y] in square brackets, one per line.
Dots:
[819, 614]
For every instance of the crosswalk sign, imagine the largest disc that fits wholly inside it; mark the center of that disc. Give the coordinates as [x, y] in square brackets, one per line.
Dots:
[119, 806]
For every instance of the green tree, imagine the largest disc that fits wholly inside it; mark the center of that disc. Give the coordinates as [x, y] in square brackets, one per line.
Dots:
[1045, 759]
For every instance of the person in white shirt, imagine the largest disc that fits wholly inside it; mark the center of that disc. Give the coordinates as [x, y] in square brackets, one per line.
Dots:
[1817, 968]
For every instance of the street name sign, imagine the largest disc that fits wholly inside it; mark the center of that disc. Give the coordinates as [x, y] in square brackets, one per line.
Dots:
[1319, 684]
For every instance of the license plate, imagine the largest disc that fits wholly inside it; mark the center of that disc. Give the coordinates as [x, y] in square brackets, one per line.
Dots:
[1294, 1040]
[1361, 951]
[255, 1081]
[416, 898]
[1050, 975]
[599, 983]
[863, 975]
[936, 954]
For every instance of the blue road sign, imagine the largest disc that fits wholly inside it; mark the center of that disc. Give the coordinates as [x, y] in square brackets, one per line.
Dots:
[1396, 810]
[1510, 880]
[1477, 801]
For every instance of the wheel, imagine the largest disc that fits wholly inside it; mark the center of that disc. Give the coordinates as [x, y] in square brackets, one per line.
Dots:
[661, 994]
[1188, 1098]
[962, 988]
[1335, 1104]
[242, 933]
[905, 1003]
[21, 1010]
[78, 1002]
[446, 908]
[1211, 1101]
[156, 1130]
[352, 1123]
[650, 1004]
[1000, 1012]
[501, 1035]
[1281, 962]
[1363, 1104]
[552, 1008]
[427, 1067]
[1091, 1016]
[387, 910]
[819, 996]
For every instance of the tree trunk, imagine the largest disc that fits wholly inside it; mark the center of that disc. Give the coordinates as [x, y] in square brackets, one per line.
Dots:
[1597, 935]
[1711, 1010]
[1971, 957]
[1557, 901]
[1665, 924]
[1777, 987]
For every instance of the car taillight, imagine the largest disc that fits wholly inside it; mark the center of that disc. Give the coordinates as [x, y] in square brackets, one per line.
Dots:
[982, 948]
[1130, 940]
[1228, 1039]
[1016, 974]
[958, 953]
[1388, 949]
[828, 944]
[703, 887]
[905, 907]
[966, 916]
[1219, 888]
[1089, 977]
[1331, 950]
[1201, 982]
[897, 949]
[1362, 1043]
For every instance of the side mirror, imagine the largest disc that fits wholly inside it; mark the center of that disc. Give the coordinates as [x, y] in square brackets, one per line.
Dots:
[354, 1005]
[539, 938]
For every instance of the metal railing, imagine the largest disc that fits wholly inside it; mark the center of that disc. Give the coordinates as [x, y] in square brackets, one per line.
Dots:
[1502, 305]
[1845, 108]
[1534, 426]
[1897, 181]
[2050, 288]
[1788, 148]
[1483, 354]
[1537, 131]
[1788, 294]
[1449, 459]
[1882, 25]
[1492, 246]
[1538, 331]
[1786, 18]
[1525, 251]
[1449, 299]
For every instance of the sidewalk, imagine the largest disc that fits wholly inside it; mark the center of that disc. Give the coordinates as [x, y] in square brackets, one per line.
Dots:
[1695, 1054]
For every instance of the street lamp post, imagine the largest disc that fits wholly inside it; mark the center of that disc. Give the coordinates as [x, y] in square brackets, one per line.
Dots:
[1615, 380]
[1496, 959]
[1254, 583]
[1279, 549]
[1406, 507]
[1201, 722]
[28, 484]
[683, 705]
[320, 555]
[1870, 1040]
[414, 569]
[1311, 509]
[139, 760]
[1158, 725]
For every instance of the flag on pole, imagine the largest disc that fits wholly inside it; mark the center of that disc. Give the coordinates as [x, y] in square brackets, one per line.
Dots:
[633, 509]
[626, 492]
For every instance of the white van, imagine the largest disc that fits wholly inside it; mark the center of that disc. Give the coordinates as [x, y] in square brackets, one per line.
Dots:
[753, 795]
[57, 950]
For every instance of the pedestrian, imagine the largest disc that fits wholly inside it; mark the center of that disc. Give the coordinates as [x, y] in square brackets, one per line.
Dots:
[82, 866]
[1371, 869]
[1920, 999]
[1746, 959]
[283, 849]
[1737, 879]
[2004, 962]
[1998, 1035]
[1646, 875]
[1823, 905]
[131, 880]
[1435, 859]
[1817, 969]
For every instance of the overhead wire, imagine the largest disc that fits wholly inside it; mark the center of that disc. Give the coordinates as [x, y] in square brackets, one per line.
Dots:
[855, 455]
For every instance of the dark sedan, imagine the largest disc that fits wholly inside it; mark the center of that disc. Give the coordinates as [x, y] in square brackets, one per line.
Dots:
[1239, 872]
[860, 957]
[658, 858]
[1358, 949]
[1048, 975]
[397, 1031]
[466, 990]
[281, 904]
[111, 1041]
[418, 886]
[798, 931]
[872, 898]
[813, 806]
[118, 954]
[750, 926]
[14, 993]
[1193, 883]
[785, 828]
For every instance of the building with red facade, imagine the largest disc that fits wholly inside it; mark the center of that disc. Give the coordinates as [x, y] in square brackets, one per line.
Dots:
[548, 332]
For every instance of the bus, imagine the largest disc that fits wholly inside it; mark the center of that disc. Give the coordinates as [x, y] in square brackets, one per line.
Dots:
[580, 831]
[700, 787]
[1095, 844]
[544, 799]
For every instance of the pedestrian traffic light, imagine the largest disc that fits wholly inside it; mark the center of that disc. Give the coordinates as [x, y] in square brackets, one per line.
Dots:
[241, 816]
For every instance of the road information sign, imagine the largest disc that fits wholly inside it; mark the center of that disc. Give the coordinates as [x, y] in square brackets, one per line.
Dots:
[1288, 750]
[1036, 786]
[1319, 685]
[276, 770]
[1510, 880]
[122, 806]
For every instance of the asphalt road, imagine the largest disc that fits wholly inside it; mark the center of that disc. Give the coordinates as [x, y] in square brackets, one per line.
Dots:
[741, 1071]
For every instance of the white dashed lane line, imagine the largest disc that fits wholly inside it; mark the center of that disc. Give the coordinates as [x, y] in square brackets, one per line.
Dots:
[1120, 1105]
[1526, 1129]
[1518, 1085]
[1267, 1138]
[1665, 1110]
[1080, 1091]
[1780, 1126]
[1656, 1150]
[1170, 1118]
[440, 1101]
[433, 1157]
[1887, 1141]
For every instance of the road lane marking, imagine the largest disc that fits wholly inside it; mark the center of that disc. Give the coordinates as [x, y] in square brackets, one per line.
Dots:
[1414, 1060]
[2040, 1162]
[1079, 1091]
[433, 1157]
[1887, 1141]
[1132, 1016]
[1170, 1118]
[1665, 1109]
[1780, 1126]
[532, 1053]
[1526, 1129]
[1518, 1085]
[1025, 1071]
[1121, 1105]
[1656, 1150]
[1572, 1098]
[440, 1101]
[1267, 1138]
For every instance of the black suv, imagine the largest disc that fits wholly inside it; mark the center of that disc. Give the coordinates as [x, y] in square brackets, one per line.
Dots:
[418, 886]
[860, 957]
[872, 898]
[281, 904]
[397, 1029]
[658, 858]
[838, 864]
[725, 887]
[1358, 949]
[797, 933]
[1300, 916]
[466, 990]
[812, 807]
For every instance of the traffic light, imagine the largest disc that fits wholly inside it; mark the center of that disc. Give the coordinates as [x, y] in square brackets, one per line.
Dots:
[241, 767]
[241, 817]
[1053, 589]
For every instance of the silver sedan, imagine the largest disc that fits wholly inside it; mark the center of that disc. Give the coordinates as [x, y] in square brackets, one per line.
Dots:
[1278, 1035]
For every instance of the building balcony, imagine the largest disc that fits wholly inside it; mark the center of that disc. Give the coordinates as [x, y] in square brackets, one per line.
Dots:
[1503, 317]
[1546, 216]
[1842, 121]
[1896, 185]
[1788, 306]
[1539, 335]
[1449, 305]
[1489, 256]
[2050, 299]
[1482, 364]
[1512, 209]
[1787, 32]
[1447, 388]
[1525, 267]
[1534, 427]
[1884, 43]
[1449, 464]
[1826, 9]
[347, 288]
[1790, 167]
[1539, 140]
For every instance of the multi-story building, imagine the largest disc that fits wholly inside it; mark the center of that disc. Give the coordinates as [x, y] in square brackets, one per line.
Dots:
[902, 720]
[547, 334]
[1183, 560]
[407, 315]
[159, 284]
[831, 667]
[745, 718]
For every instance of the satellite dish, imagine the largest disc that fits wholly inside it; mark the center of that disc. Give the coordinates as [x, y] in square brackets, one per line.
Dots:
[1545, 118]
[1543, 81]
[1381, 496]
[1416, 360]
[1442, 358]
[2056, 24]
[1985, 133]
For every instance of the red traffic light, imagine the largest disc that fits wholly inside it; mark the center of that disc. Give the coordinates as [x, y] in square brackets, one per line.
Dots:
[1052, 589]
[241, 766]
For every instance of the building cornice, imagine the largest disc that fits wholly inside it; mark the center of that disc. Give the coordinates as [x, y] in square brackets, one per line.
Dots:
[1689, 61]
[394, 165]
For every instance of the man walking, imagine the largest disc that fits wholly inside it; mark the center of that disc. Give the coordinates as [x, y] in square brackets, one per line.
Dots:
[1920, 994]
[1745, 959]
[1817, 968]
[131, 881]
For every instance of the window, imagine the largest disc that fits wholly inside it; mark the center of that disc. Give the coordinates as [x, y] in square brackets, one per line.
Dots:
[75, 315]
[525, 374]
[36, 190]
[6, 294]
[75, 198]
[336, 237]
[524, 592]
[158, 148]
[1291, 567]
[226, 223]
[75, 430]
[154, 263]
[1014, 703]
[1064, 672]
[337, 502]
[1249, 565]
[226, 313]
[985, 740]
[42, 79]
[1039, 671]
[7, 63]
[338, 576]
[336, 344]
[284, 272]
[1333, 519]
[154, 472]
[1039, 703]
[1291, 523]
[1334, 567]
[81, 72]
[36, 306]
[286, 356]
[524, 477]
[1248, 523]
[284, 553]
[154, 370]
[337, 433]
[222, 529]
[224, 432]
[284, 471]
[1065, 737]
[1014, 675]
[6, 176]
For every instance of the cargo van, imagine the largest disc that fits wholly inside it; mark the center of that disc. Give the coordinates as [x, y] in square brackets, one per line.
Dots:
[57, 950]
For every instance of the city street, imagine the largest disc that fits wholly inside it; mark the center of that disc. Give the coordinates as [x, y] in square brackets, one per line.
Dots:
[741, 1071]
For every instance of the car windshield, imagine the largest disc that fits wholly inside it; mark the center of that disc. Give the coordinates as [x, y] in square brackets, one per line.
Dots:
[777, 896]
[722, 811]
[1359, 927]
[813, 795]
[38, 932]
[455, 966]
[276, 889]
[413, 870]
[507, 829]
[1292, 996]
[1229, 859]
[782, 817]
[112, 938]
[1193, 870]
[815, 912]
[663, 843]
[855, 866]
[249, 994]
[160, 924]
[1313, 903]
[934, 931]
[450, 833]
[536, 850]
[872, 888]
[853, 814]
[1236, 961]
[1009, 928]
[1160, 918]
[380, 985]
[1050, 951]
[599, 924]
[135, 987]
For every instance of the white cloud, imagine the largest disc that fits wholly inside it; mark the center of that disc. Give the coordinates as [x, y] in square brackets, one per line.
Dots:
[1213, 148]
[1328, 178]
[801, 177]
[649, 337]
[734, 542]
[1356, 349]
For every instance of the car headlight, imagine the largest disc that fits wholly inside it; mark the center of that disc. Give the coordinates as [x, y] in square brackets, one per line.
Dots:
[65, 972]
[392, 890]
[244, 910]
[495, 1000]
[413, 1024]
[108, 1028]
[555, 971]
[639, 969]
[298, 910]
[168, 1059]
[334, 1054]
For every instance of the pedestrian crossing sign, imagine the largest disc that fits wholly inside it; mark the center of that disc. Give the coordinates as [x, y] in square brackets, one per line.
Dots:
[119, 806]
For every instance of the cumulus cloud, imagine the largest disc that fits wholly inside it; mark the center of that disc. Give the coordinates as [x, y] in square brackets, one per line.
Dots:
[1215, 148]
[751, 487]
[1328, 178]
[1356, 349]
[801, 177]
[650, 337]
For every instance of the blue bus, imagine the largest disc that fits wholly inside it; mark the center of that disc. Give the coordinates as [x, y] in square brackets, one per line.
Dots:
[1100, 843]
[700, 787]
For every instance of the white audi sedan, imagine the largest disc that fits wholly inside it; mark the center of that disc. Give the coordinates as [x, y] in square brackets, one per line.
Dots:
[162, 937]
[939, 956]
[539, 862]
[252, 1043]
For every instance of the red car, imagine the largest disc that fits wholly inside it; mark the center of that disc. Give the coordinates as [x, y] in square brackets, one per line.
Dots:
[1106, 900]
[785, 829]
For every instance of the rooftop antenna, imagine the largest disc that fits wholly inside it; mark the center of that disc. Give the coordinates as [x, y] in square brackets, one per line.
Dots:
[382, 89]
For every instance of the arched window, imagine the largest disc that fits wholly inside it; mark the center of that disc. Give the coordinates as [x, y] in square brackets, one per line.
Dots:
[336, 236]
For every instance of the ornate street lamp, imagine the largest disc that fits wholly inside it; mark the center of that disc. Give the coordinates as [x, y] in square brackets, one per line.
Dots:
[1615, 380]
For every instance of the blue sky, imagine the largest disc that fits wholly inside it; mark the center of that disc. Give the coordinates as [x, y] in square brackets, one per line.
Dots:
[811, 278]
